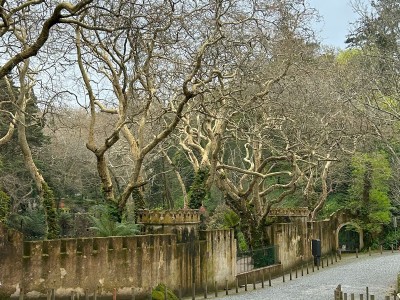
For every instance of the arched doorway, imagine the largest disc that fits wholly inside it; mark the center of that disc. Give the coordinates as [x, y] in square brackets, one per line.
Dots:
[349, 237]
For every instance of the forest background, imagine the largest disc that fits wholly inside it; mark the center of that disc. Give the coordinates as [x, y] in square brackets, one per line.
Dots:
[107, 107]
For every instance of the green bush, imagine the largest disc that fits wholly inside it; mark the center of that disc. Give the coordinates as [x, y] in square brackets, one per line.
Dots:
[158, 293]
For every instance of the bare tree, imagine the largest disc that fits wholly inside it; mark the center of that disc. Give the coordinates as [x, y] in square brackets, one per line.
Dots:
[145, 74]
[271, 129]
[40, 16]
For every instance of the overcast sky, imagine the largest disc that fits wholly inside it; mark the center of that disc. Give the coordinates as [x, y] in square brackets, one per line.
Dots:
[337, 16]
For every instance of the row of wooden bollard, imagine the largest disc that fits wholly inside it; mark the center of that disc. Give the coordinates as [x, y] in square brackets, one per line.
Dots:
[340, 295]
[313, 267]
[380, 250]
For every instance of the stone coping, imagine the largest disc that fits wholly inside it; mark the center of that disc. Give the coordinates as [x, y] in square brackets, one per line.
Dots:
[289, 212]
[181, 216]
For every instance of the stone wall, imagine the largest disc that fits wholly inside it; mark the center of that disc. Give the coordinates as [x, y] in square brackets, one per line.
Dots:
[182, 256]
[116, 262]
[294, 238]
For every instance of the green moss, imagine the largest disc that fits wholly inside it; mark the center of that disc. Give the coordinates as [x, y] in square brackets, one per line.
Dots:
[199, 192]
[53, 227]
[159, 291]
[4, 207]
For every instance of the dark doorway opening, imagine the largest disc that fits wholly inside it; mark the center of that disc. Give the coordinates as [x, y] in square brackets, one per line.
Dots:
[349, 239]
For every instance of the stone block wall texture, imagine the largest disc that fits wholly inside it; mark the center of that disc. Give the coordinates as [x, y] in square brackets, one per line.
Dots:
[176, 259]
[103, 264]
[294, 239]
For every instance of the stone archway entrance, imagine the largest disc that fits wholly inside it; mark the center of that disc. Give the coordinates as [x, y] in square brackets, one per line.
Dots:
[349, 237]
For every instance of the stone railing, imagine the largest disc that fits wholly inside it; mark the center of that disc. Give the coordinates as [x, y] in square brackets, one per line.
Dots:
[182, 216]
[289, 212]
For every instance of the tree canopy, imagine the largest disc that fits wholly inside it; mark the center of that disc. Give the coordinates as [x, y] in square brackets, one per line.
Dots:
[168, 104]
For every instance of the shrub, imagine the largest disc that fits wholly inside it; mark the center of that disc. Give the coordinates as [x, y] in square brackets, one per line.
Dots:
[158, 293]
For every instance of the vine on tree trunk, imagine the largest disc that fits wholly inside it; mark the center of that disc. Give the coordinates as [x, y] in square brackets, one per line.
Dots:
[53, 227]
[199, 191]
[4, 207]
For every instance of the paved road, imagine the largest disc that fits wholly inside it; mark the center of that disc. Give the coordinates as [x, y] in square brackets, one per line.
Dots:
[378, 272]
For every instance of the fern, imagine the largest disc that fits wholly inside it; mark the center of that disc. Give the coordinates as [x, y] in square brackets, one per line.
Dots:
[105, 227]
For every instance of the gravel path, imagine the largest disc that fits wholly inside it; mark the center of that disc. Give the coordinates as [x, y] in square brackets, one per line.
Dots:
[378, 272]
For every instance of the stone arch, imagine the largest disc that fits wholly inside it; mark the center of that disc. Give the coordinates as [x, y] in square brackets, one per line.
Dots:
[358, 230]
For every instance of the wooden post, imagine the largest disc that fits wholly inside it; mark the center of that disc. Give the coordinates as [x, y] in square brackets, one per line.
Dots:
[307, 271]
[269, 278]
[367, 291]
[345, 296]
[237, 285]
[361, 296]
[245, 282]
[356, 252]
[296, 272]
[115, 294]
[290, 275]
[21, 294]
[193, 291]
[369, 251]
[216, 289]
[312, 266]
[331, 259]
[283, 276]
[392, 247]
[352, 296]
[322, 262]
[226, 287]
[206, 290]
[381, 249]
[302, 269]
[262, 278]
[335, 256]
[372, 297]
[254, 280]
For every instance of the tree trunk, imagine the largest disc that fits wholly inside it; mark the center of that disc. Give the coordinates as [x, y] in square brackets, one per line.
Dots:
[45, 193]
